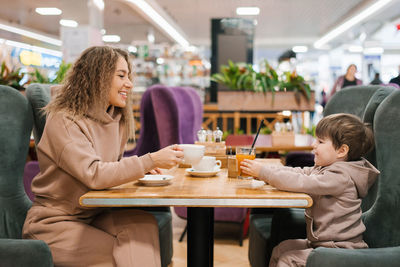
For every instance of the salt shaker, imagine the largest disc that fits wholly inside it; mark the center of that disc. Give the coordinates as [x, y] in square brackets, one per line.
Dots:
[209, 136]
[218, 135]
[202, 135]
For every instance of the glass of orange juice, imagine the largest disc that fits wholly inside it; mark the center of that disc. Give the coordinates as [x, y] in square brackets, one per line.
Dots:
[241, 154]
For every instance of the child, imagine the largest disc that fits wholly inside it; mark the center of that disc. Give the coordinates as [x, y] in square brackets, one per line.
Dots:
[88, 124]
[338, 181]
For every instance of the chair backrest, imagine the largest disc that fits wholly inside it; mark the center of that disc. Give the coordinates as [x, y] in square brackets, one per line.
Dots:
[352, 100]
[38, 96]
[361, 101]
[197, 106]
[368, 117]
[16, 125]
[168, 116]
[383, 219]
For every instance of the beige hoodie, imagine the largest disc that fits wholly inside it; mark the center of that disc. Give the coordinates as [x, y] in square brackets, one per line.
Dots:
[76, 156]
[334, 220]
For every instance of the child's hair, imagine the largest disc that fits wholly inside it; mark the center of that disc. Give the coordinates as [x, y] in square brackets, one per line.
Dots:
[347, 129]
[87, 85]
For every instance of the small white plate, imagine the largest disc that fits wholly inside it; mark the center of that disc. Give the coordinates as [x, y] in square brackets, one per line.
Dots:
[195, 173]
[156, 179]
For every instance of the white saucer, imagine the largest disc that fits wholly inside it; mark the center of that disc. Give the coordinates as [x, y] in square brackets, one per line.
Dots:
[156, 179]
[193, 172]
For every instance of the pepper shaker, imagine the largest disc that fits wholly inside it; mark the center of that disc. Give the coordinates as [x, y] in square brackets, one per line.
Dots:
[218, 135]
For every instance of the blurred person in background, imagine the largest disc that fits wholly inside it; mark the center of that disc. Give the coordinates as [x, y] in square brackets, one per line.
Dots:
[396, 79]
[376, 80]
[349, 79]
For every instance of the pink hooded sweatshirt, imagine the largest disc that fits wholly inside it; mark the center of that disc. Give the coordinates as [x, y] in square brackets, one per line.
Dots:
[334, 220]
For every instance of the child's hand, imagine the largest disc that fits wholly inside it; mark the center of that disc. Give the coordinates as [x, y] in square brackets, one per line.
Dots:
[251, 167]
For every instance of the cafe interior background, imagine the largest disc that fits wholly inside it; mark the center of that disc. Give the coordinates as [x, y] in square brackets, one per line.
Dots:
[183, 43]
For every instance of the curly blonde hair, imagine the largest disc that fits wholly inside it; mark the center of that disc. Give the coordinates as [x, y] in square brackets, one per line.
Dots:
[88, 83]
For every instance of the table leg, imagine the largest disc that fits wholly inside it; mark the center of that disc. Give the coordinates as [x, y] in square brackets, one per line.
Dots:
[200, 237]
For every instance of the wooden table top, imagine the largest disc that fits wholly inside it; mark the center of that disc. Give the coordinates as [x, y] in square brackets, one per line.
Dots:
[185, 190]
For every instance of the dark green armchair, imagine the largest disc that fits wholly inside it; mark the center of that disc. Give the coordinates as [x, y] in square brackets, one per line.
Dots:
[16, 126]
[269, 229]
[382, 220]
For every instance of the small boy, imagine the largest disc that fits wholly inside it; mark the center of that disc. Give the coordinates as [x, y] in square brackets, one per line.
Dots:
[338, 181]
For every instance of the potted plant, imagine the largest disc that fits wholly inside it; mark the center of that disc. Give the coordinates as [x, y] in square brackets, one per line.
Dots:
[11, 77]
[266, 90]
[37, 77]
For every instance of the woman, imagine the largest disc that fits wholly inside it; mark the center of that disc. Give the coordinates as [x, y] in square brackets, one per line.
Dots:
[349, 79]
[88, 124]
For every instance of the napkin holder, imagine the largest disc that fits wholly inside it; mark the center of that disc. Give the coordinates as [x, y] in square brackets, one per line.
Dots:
[215, 149]
[282, 139]
[231, 165]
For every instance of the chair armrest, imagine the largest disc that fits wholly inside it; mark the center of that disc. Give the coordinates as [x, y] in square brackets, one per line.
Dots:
[370, 257]
[23, 252]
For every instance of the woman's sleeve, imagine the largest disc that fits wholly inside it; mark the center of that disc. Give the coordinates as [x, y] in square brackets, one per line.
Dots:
[75, 155]
[327, 183]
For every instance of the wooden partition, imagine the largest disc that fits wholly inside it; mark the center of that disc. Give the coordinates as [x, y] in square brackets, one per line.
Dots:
[232, 121]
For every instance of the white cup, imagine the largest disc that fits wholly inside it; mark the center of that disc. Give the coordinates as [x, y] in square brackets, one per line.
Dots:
[192, 153]
[207, 163]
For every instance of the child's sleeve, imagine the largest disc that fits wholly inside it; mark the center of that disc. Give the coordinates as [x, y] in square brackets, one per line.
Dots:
[303, 180]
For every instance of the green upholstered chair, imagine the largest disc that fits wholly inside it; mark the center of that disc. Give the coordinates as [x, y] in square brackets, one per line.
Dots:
[268, 229]
[38, 96]
[382, 220]
[16, 125]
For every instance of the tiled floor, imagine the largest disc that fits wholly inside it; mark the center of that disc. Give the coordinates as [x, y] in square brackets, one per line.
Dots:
[227, 252]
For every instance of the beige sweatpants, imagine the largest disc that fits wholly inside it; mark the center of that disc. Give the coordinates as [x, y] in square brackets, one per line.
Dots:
[290, 253]
[122, 238]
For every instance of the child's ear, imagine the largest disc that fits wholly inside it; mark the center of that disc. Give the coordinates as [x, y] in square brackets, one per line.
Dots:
[342, 151]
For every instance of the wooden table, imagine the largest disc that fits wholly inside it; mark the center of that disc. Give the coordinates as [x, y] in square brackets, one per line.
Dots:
[200, 195]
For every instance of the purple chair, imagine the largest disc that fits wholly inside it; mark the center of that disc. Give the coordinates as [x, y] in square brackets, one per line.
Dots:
[30, 171]
[164, 119]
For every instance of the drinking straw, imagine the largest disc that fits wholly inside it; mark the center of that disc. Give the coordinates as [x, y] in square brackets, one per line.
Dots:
[255, 139]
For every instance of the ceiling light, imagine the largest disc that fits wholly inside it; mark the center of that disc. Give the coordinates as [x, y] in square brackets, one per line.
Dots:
[34, 48]
[48, 11]
[160, 61]
[373, 50]
[111, 38]
[351, 22]
[132, 49]
[362, 37]
[68, 23]
[300, 49]
[152, 14]
[355, 48]
[30, 34]
[99, 4]
[150, 37]
[247, 11]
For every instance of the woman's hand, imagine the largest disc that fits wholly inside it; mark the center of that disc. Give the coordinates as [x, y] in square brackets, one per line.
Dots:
[155, 171]
[167, 157]
[251, 167]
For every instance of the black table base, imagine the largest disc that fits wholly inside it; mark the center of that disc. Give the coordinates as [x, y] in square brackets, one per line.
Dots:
[200, 242]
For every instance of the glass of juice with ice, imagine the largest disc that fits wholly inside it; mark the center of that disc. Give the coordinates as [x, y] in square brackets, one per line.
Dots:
[241, 154]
